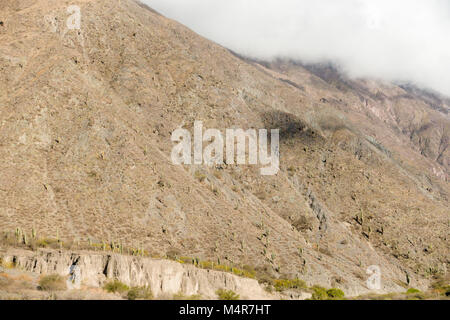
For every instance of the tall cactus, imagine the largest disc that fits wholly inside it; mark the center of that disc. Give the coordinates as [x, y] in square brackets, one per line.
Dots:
[18, 234]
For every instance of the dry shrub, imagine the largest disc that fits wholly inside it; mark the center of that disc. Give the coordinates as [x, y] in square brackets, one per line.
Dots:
[53, 282]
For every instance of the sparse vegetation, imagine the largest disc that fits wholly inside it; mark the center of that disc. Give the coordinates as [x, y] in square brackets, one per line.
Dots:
[320, 293]
[303, 223]
[140, 293]
[180, 296]
[246, 271]
[6, 264]
[223, 294]
[283, 284]
[218, 174]
[19, 238]
[199, 176]
[52, 282]
[441, 287]
[116, 286]
[412, 291]
[335, 293]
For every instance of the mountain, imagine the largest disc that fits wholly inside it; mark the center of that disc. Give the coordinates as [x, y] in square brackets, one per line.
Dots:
[86, 122]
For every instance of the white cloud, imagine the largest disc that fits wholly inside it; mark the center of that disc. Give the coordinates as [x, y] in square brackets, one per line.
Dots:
[401, 40]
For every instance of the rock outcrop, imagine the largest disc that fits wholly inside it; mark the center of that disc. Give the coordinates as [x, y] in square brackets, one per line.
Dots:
[166, 278]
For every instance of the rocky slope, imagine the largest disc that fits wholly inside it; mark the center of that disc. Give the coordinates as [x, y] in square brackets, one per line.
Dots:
[86, 117]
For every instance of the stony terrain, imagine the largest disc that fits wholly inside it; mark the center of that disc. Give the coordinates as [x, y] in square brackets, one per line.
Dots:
[86, 117]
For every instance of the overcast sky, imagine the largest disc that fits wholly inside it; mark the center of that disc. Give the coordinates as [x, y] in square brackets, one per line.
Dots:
[395, 40]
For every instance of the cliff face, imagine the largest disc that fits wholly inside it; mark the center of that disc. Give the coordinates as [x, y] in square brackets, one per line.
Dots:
[165, 278]
[86, 118]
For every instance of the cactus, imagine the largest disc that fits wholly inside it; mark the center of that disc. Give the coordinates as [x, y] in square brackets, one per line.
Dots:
[18, 234]
[33, 234]
[360, 218]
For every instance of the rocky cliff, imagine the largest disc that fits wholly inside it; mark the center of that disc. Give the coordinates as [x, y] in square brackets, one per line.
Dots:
[165, 278]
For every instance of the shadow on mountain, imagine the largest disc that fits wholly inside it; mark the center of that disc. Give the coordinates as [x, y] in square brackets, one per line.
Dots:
[291, 127]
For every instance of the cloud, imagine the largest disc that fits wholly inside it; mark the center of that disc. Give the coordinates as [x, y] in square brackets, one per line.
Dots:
[401, 40]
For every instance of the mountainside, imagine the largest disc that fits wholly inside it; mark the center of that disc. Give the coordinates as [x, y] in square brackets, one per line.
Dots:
[86, 120]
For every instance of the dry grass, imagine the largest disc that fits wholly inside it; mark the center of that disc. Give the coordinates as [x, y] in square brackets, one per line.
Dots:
[140, 293]
[116, 286]
[223, 294]
[52, 282]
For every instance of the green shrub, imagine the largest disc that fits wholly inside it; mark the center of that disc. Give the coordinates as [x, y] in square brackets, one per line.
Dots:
[140, 293]
[412, 291]
[282, 284]
[221, 267]
[116, 286]
[244, 273]
[319, 293]
[52, 282]
[335, 293]
[227, 295]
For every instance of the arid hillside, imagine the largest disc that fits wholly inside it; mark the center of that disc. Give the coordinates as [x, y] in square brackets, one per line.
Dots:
[86, 118]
